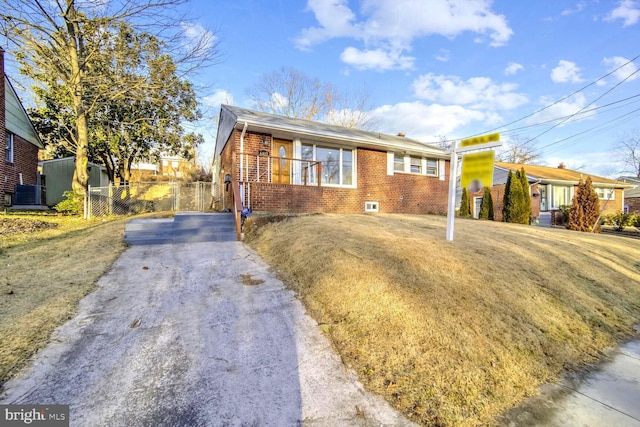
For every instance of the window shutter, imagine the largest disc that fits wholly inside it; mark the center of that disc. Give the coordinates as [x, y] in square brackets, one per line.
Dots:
[441, 166]
[390, 156]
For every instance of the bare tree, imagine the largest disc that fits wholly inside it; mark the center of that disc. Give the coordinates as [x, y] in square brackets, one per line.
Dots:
[627, 152]
[349, 109]
[56, 41]
[292, 93]
[519, 150]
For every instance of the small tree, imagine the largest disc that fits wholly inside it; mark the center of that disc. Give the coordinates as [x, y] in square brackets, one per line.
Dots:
[465, 207]
[486, 207]
[585, 208]
[525, 211]
[514, 205]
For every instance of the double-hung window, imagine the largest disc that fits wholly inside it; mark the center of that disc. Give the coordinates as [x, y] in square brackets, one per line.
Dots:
[336, 164]
[8, 148]
[415, 164]
[405, 163]
[605, 193]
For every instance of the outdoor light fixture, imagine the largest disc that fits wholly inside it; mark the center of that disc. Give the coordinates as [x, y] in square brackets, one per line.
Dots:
[265, 141]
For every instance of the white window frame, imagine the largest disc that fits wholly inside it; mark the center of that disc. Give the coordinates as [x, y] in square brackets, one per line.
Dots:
[425, 168]
[9, 148]
[552, 200]
[602, 193]
[298, 149]
[371, 207]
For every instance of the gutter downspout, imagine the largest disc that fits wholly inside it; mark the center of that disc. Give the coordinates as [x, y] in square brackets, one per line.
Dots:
[244, 130]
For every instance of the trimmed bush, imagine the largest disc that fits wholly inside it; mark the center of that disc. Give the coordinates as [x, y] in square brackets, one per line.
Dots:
[486, 207]
[72, 203]
[465, 206]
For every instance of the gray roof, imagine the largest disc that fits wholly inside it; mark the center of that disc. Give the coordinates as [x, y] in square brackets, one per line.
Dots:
[286, 127]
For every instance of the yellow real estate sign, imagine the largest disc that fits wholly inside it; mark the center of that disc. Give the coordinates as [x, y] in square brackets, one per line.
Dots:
[480, 140]
[477, 170]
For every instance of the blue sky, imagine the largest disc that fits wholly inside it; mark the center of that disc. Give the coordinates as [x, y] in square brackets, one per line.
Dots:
[448, 68]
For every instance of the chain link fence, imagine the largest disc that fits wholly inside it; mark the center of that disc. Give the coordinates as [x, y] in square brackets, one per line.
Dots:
[148, 197]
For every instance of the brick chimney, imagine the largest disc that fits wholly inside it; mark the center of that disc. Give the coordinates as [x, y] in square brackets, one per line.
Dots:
[401, 134]
[561, 166]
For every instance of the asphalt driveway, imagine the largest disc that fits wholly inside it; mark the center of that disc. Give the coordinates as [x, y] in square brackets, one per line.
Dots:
[198, 334]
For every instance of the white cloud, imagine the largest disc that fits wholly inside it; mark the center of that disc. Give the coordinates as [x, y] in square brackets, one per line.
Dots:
[477, 92]
[566, 71]
[219, 96]
[628, 11]
[443, 56]
[557, 112]
[513, 68]
[335, 19]
[198, 38]
[376, 59]
[624, 71]
[423, 122]
[393, 25]
[579, 7]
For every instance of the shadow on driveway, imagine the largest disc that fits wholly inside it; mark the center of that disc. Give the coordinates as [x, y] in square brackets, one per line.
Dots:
[193, 335]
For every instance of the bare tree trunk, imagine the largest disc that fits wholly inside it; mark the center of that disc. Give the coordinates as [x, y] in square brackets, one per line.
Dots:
[75, 47]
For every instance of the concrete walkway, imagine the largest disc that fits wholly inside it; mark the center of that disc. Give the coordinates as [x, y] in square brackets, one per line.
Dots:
[609, 396]
[196, 334]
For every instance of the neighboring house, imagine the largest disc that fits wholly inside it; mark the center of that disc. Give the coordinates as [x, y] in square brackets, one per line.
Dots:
[168, 168]
[19, 162]
[632, 196]
[57, 176]
[284, 164]
[550, 188]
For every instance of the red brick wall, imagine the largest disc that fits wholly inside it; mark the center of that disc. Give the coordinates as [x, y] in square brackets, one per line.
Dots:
[25, 161]
[633, 203]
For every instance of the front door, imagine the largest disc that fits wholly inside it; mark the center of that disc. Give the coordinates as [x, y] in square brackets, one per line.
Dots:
[542, 189]
[281, 157]
[477, 202]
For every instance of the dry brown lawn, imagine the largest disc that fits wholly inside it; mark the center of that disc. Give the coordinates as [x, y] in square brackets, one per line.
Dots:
[455, 333]
[44, 272]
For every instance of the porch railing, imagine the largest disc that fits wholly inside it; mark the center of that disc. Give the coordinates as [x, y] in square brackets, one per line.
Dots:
[237, 208]
[279, 170]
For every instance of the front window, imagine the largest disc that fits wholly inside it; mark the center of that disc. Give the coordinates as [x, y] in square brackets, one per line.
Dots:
[561, 196]
[413, 164]
[398, 162]
[336, 164]
[8, 148]
[432, 167]
[416, 165]
[606, 193]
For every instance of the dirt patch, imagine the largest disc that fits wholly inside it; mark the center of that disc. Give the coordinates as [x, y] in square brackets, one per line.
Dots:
[247, 280]
[10, 226]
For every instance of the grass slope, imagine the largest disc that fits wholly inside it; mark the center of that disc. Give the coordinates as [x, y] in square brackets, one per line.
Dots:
[45, 272]
[455, 333]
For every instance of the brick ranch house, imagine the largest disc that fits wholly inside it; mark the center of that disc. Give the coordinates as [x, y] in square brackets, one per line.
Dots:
[19, 162]
[550, 188]
[282, 164]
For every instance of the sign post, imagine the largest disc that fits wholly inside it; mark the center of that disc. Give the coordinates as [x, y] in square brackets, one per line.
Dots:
[480, 143]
